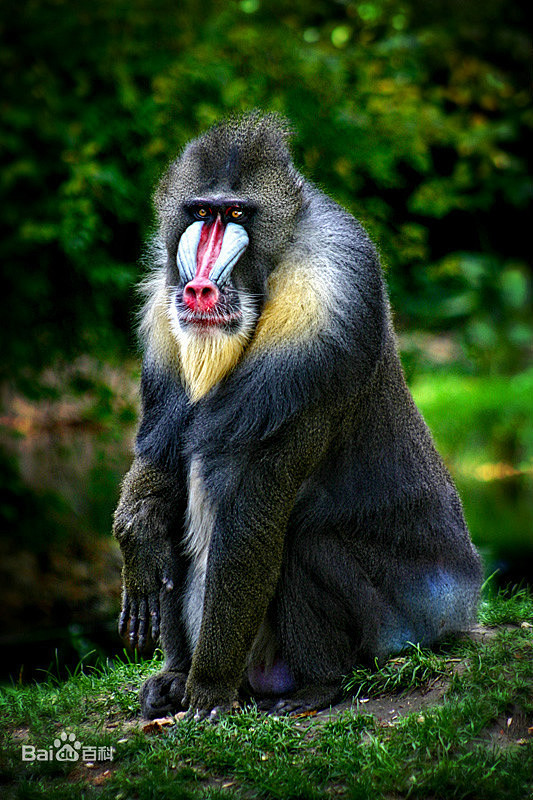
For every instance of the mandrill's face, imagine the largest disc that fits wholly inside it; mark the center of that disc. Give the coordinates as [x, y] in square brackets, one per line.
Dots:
[209, 249]
[227, 210]
[213, 302]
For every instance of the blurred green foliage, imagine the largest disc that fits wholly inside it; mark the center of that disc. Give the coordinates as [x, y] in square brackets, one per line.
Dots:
[479, 419]
[483, 427]
[416, 116]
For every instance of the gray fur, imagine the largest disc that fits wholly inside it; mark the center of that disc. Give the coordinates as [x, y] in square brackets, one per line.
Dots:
[298, 509]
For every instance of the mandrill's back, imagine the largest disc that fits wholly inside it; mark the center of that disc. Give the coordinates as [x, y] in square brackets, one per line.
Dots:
[383, 494]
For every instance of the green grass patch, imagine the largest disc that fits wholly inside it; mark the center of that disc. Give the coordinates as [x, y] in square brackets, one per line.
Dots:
[474, 743]
[417, 668]
[512, 606]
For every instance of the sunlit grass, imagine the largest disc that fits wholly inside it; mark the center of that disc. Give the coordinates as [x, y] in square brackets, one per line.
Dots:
[483, 427]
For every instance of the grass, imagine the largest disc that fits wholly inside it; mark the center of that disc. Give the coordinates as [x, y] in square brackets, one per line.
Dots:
[511, 607]
[474, 743]
[414, 670]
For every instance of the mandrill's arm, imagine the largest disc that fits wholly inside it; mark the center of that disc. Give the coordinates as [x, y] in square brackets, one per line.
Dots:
[145, 525]
[261, 434]
[148, 522]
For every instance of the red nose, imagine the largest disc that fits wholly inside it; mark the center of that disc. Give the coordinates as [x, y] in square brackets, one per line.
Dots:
[200, 294]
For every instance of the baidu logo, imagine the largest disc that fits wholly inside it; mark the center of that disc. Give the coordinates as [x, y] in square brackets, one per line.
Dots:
[67, 748]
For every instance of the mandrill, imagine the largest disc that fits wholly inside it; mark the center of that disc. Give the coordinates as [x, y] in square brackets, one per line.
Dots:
[287, 515]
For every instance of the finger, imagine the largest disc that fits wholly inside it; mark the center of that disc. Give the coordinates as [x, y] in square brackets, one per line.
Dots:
[198, 714]
[153, 605]
[212, 715]
[134, 622]
[281, 707]
[265, 705]
[143, 624]
[168, 584]
[124, 615]
[216, 714]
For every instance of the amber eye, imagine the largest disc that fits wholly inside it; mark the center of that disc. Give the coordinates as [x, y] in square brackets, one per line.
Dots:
[202, 212]
[235, 213]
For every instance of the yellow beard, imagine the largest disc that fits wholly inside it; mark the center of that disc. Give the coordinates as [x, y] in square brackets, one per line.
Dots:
[201, 359]
[205, 359]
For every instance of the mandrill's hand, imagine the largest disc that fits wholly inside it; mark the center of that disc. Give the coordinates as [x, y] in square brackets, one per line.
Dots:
[139, 614]
[141, 528]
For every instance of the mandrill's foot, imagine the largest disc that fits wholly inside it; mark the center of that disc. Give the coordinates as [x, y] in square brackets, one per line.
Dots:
[214, 714]
[162, 694]
[310, 698]
[209, 700]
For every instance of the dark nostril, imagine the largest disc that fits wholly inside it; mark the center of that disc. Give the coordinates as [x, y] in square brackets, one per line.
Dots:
[200, 294]
[195, 292]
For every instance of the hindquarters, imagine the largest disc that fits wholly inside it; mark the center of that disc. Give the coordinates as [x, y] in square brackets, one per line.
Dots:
[369, 587]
